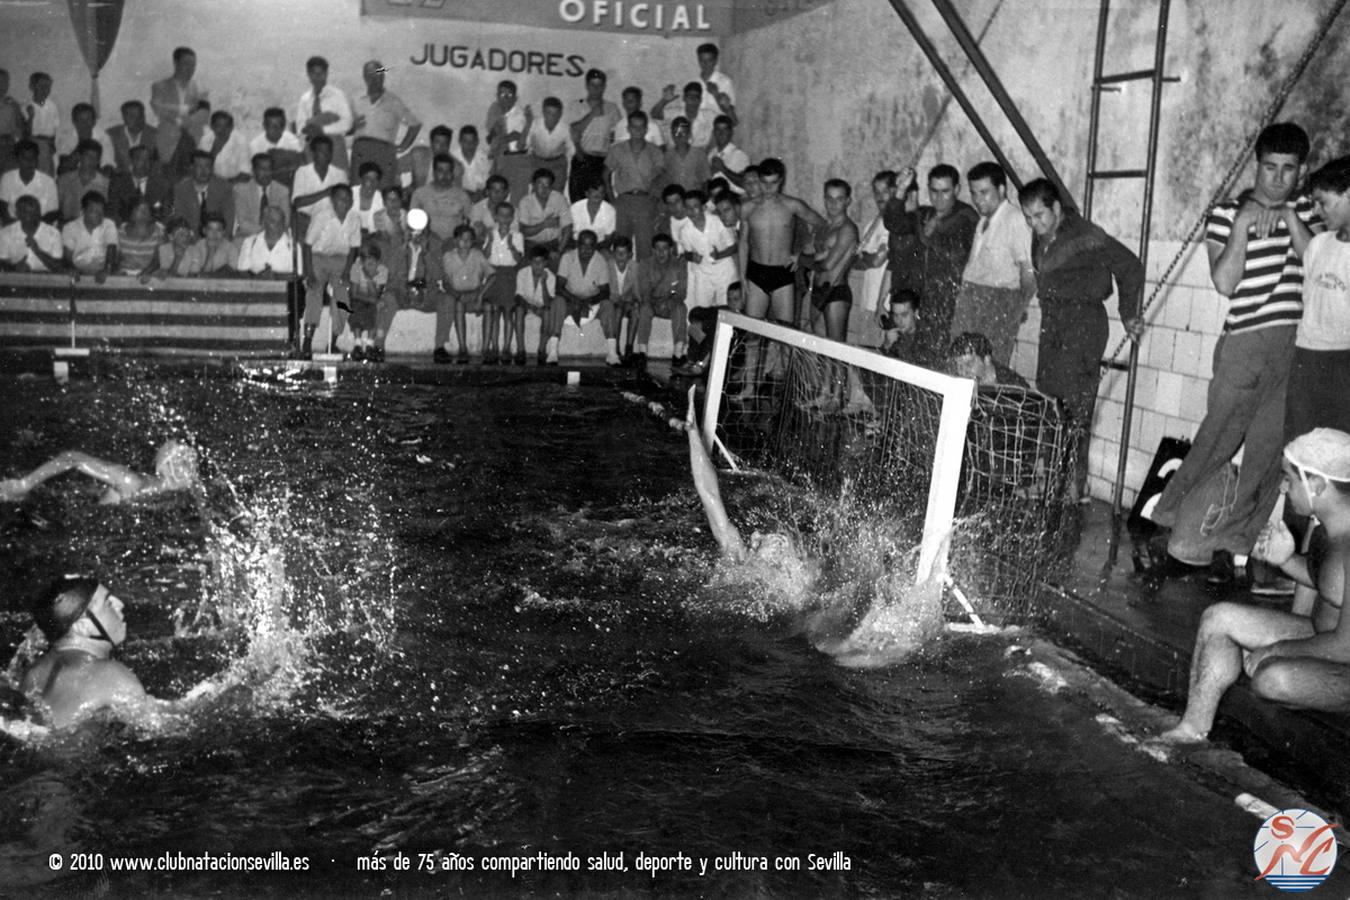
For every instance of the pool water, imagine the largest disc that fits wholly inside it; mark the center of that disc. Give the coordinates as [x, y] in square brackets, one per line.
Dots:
[474, 621]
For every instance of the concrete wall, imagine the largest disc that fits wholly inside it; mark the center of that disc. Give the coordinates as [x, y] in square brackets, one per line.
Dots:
[844, 90]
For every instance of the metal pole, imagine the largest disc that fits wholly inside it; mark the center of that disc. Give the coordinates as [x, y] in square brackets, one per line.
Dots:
[949, 79]
[1005, 102]
[1155, 110]
[1094, 119]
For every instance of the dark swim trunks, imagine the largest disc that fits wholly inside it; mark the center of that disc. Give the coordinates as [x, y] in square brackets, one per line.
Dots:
[822, 295]
[769, 278]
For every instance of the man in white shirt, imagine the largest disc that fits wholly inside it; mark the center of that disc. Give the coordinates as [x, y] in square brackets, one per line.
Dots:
[329, 251]
[726, 161]
[30, 244]
[873, 255]
[269, 253]
[90, 241]
[28, 179]
[710, 249]
[550, 142]
[276, 140]
[84, 127]
[508, 125]
[700, 117]
[323, 109]
[595, 214]
[315, 180]
[230, 159]
[631, 102]
[998, 281]
[473, 162]
[44, 118]
[718, 92]
[583, 283]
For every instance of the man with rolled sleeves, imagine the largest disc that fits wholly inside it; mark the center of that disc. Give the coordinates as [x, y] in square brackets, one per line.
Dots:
[1076, 263]
[324, 109]
[376, 117]
[631, 171]
[508, 127]
[592, 133]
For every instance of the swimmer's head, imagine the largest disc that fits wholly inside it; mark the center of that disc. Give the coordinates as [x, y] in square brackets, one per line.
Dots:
[783, 555]
[177, 465]
[72, 599]
[1324, 454]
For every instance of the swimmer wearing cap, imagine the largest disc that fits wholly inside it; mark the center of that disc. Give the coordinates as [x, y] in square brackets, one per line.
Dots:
[175, 470]
[1301, 657]
[76, 678]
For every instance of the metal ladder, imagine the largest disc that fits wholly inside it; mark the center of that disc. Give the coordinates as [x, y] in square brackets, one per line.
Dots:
[1109, 83]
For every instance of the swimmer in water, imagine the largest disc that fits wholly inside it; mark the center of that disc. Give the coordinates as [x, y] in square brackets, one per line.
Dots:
[175, 470]
[77, 677]
[778, 555]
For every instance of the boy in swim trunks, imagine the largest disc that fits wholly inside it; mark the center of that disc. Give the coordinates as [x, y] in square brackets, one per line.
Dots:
[1302, 657]
[175, 470]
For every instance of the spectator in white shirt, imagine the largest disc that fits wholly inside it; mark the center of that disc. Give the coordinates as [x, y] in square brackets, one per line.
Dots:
[44, 118]
[91, 240]
[30, 244]
[631, 102]
[329, 252]
[596, 214]
[550, 142]
[280, 143]
[700, 118]
[84, 127]
[718, 92]
[726, 161]
[473, 162]
[314, 181]
[29, 179]
[324, 109]
[270, 253]
[230, 159]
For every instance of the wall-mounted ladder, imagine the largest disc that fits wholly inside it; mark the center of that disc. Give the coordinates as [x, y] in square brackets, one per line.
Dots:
[1104, 84]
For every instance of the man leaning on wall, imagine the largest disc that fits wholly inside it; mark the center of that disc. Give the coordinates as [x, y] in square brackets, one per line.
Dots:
[1255, 242]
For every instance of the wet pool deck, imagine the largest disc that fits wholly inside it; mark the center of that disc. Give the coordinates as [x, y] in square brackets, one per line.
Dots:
[1136, 629]
[1140, 629]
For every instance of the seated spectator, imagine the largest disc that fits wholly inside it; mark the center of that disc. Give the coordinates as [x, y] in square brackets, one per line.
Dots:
[630, 101]
[369, 280]
[537, 294]
[473, 163]
[202, 193]
[665, 284]
[404, 253]
[595, 214]
[423, 159]
[625, 275]
[287, 153]
[138, 238]
[583, 284]
[482, 217]
[369, 197]
[270, 253]
[444, 202]
[255, 196]
[86, 177]
[30, 244]
[545, 217]
[670, 215]
[466, 272]
[84, 121]
[133, 132]
[173, 259]
[332, 241]
[230, 158]
[44, 118]
[213, 256]
[314, 182]
[141, 181]
[28, 179]
[972, 356]
[90, 241]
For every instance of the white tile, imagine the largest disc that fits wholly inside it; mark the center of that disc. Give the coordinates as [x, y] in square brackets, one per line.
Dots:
[1157, 348]
[1168, 398]
[1186, 358]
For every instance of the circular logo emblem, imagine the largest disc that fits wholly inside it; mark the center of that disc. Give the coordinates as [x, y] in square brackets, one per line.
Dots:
[1294, 850]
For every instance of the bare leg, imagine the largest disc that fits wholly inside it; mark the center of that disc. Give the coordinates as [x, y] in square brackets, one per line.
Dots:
[1226, 630]
[1304, 682]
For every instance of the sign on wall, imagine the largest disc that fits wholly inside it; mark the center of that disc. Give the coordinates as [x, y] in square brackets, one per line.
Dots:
[669, 18]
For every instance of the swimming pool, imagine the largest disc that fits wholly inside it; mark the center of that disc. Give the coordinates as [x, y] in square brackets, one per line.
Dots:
[469, 622]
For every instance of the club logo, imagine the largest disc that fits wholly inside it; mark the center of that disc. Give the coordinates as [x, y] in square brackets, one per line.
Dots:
[1295, 850]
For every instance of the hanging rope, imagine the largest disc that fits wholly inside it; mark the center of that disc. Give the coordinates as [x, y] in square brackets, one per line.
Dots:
[1238, 165]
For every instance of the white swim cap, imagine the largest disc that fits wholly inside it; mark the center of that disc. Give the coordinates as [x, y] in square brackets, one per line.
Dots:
[1323, 451]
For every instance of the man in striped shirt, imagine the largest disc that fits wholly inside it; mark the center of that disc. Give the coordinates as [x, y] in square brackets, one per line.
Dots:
[1255, 243]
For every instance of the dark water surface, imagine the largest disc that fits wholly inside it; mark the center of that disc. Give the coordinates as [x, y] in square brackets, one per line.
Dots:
[470, 621]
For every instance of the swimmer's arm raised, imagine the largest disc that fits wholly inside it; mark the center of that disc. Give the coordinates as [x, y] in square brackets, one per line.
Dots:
[122, 480]
[705, 482]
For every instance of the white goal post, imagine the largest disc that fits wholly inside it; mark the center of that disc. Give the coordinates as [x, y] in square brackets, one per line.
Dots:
[957, 396]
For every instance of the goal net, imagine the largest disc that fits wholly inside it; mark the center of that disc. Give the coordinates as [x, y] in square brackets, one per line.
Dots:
[976, 479]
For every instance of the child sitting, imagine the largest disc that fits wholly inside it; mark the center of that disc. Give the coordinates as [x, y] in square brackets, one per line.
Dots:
[369, 279]
[536, 291]
[466, 271]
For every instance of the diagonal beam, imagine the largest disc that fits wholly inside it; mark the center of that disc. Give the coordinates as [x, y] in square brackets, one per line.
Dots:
[945, 73]
[1005, 102]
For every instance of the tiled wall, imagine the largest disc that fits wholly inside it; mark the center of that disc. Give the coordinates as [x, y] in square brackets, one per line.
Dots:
[1175, 360]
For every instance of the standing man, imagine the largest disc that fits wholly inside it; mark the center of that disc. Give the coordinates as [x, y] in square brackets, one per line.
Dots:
[937, 257]
[508, 126]
[11, 123]
[686, 166]
[550, 142]
[180, 107]
[631, 172]
[323, 109]
[871, 260]
[631, 101]
[279, 142]
[133, 132]
[1076, 263]
[999, 280]
[726, 161]
[378, 115]
[700, 118]
[719, 94]
[1255, 243]
[592, 133]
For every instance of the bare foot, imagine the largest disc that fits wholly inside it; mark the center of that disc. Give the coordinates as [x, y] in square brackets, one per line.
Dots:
[1181, 734]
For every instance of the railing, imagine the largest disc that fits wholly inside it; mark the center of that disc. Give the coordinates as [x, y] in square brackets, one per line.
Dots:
[235, 316]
